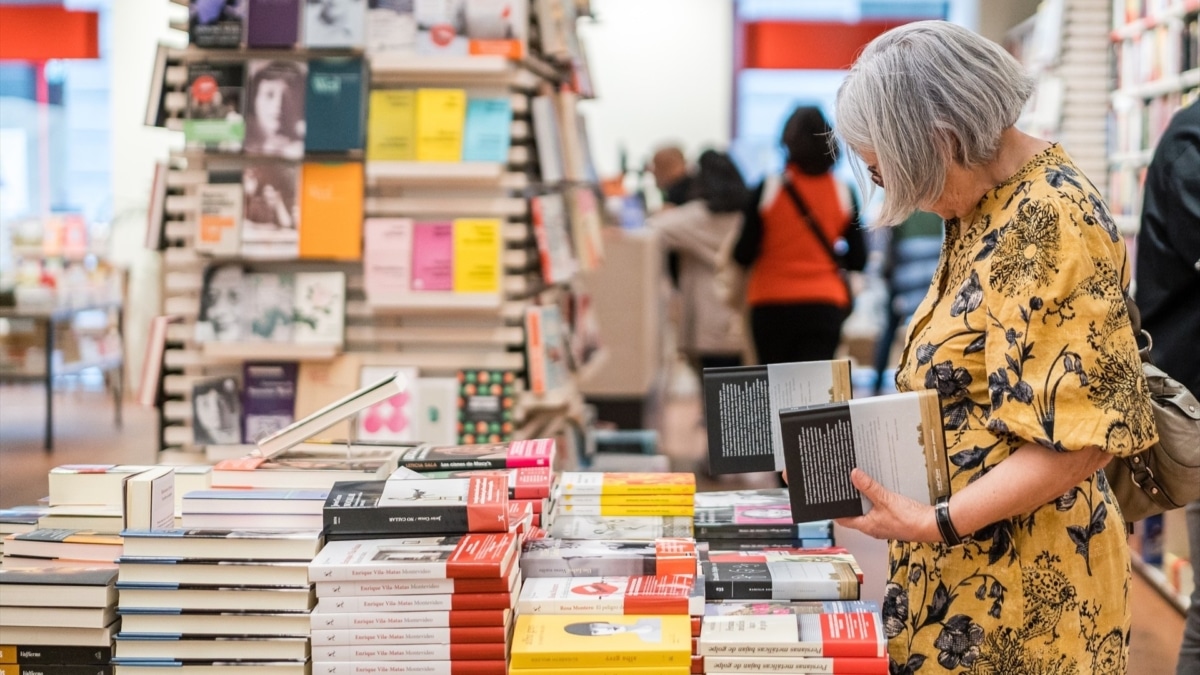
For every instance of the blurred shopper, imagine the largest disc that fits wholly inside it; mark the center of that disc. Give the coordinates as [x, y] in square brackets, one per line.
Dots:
[797, 288]
[710, 332]
[670, 170]
[1168, 296]
[910, 259]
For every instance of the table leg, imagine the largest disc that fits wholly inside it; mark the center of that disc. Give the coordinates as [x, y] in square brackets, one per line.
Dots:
[49, 444]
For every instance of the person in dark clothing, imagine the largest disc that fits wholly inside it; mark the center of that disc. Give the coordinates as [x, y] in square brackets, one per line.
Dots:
[796, 287]
[1168, 295]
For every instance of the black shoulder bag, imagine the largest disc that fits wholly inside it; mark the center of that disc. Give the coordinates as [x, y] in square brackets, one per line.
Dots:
[806, 216]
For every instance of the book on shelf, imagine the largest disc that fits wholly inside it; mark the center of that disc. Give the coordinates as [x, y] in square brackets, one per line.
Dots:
[387, 258]
[150, 381]
[216, 411]
[222, 292]
[467, 618]
[450, 506]
[825, 635]
[278, 129]
[661, 594]
[216, 24]
[437, 410]
[308, 465]
[391, 28]
[335, 24]
[268, 397]
[335, 105]
[620, 527]
[156, 209]
[555, 252]
[332, 203]
[159, 647]
[440, 116]
[433, 256]
[485, 406]
[227, 545]
[50, 654]
[599, 641]
[320, 309]
[497, 27]
[150, 499]
[594, 483]
[545, 349]
[95, 484]
[271, 216]
[212, 572]
[81, 545]
[219, 223]
[742, 409]
[393, 419]
[547, 138]
[214, 118]
[213, 622]
[585, 226]
[323, 381]
[471, 556]
[897, 439]
[487, 132]
[272, 23]
[441, 28]
[392, 125]
[58, 587]
[785, 580]
[510, 455]
[156, 110]
[478, 245]
[405, 636]
[269, 306]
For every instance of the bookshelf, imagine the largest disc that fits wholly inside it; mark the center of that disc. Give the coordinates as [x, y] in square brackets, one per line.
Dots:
[439, 332]
[1155, 46]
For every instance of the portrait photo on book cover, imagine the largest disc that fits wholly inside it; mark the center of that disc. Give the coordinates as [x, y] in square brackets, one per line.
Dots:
[222, 303]
[270, 193]
[275, 123]
[648, 629]
[217, 412]
[330, 23]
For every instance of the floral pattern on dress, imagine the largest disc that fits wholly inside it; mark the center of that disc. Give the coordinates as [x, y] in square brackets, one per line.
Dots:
[1026, 338]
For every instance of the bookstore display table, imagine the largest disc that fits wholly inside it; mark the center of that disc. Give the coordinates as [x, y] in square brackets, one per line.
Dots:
[52, 318]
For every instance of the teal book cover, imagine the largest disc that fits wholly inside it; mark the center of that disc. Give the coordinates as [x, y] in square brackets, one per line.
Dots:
[487, 134]
[334, 106]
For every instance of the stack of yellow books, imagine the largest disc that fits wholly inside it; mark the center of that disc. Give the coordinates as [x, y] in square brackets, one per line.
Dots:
[623, 505]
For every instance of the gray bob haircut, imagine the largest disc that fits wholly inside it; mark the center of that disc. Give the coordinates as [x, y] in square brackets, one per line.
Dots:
[922, 95]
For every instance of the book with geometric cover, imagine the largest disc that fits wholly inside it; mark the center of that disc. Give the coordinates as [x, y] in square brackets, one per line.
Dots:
[601, 641]
[551, 557]
[596, 483]
[678, 594]
[826, 635]
[448, 506]
[485, 407]
[473, 556]
[758, 514]
[785, 580]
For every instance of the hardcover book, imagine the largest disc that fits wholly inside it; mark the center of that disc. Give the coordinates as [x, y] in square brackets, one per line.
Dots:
[897, 439]
[391, 28]
[525, 483]
[677, 594]
[783, 580]
[268, 398]
[440, 116]
[216, 412]
[331, 200]
[552, 557]
[213, 120]
[335, 24]
[470, 618]
[433, 257]
[216, 24]
[742, 409]
[387, 259]
[513, 455]
[472, 556]
[222, 544]
[335, 105]
[320, 307]
[394, 418]
[487, 134]
[826, 635]
[150, 499]
[759, 514]
[97, 484]
[57, 587]
[275, 94]
[478, 243]
[392, 125]
[579, 483]
[620, 527]
[410, 636]
[452, 506]
[219, 224]
[485, 407]
[272, 23]
[601, 641]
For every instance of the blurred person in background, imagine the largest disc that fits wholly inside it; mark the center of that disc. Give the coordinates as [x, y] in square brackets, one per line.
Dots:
[910, 259]
[797, 289]
[672, 177]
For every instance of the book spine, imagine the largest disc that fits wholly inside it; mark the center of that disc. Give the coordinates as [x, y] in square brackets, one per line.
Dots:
[760, 532]
[806, 665]
[408, 667]
[738, 590]
[393, 620]
[411, 519]
[627, 500]
[416, 603]
[425, 652]
[50, 654]
[58, 669]
[413, 636]
[597, 660]
[330, 589]
[454, 464]
[622, 510]
[587, 567]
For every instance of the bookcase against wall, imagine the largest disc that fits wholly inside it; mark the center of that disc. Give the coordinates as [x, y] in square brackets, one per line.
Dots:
[1155, 71]
[440, 333]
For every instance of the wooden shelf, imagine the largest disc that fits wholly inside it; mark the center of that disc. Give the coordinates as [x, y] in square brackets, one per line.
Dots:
[439, 301]
[1176, 10]
[484, 70]
[269, 351]
[495, 207]
[445, 174]
[1167, 85]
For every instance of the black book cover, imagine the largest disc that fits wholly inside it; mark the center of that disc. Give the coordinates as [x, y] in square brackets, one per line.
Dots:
[740, 581]
[59, 576]
[818, 447]
[54, 654]
[737, 412]
[353, 507]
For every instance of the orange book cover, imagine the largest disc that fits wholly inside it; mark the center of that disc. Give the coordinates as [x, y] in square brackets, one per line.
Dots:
[331, 211]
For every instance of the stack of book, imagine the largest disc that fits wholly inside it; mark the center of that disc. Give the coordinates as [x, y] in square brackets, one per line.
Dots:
[61, 548]
[787, 574]
[643, 506]
[190, 599]
[110, 498]
[749, 519]
[253, 509]
[58, 617]
[20, 519]
[438, 604]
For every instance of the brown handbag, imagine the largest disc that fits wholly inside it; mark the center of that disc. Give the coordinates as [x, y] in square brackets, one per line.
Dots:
[1167, 475]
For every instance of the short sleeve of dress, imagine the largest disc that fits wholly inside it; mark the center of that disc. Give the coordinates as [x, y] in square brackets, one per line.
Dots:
[1061, 361]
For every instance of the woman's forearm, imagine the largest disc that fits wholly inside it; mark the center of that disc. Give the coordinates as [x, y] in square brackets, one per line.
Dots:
[1031, 476]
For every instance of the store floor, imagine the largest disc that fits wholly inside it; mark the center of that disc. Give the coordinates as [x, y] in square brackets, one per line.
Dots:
[85, 434]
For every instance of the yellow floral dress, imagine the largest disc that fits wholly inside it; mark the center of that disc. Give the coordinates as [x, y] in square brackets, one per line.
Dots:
[1026, 338]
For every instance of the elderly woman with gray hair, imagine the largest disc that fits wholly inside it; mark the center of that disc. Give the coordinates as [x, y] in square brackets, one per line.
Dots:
[1026, 338]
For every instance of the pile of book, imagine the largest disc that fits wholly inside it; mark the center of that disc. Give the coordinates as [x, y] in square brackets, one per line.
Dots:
[20, 519]
[191, 599]
[734, 519]
[643, 506]
[55, 617]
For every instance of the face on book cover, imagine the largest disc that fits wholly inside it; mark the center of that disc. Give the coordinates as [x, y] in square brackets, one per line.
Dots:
[649, 630]
[222, 302]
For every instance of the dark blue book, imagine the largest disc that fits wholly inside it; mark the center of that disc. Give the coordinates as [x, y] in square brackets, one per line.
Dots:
[335, 105]
[268, 398]
[272, 23]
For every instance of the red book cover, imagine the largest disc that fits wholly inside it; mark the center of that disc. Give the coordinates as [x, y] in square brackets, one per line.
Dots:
[514, 455]
[675, 556]
[446, 506]
[697, 621]
[697, 662]
[482, 556]
[612, 595]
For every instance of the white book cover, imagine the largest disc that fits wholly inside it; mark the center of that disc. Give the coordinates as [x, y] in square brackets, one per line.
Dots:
[630, 527]
[219, 228]
[270, 306]
[824, 635]
[320, 309]
[222, 305]
[441, 27]
[335, 24]
[666, 594]
[395, 418]
[383, 636]
[391, 28]
[437, 410]
[271, 213]
[547, 136]
[395, 620]
[150, 500]
[554, 244]
[793, 385]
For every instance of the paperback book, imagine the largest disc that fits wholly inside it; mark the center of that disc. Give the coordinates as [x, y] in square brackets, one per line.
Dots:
[552, 557]
[378, 587]
[361, 658]
[805, 665]
[219, 225]
[216, 24]
[332, 203]
[50, 654]
[475, 618]
[525, 483]
[485, 407]
[229, 545]
[393, 419]
[269, 309]
[897, 439]
[783, 580]
[450, 506]
[308, 465]
[472, 556]
[487, 132]
[271, 215]
[857, 635]
[448, 602]
[275, 94]
[554, 245]
[391, 28]
[742, 409]
[261, 501]
[788, 607]
[335, 105]
[666, 594]
[81, 545]
[601, 641]
[159, 647]
[591, 483]
[216, 412]
[212, 572]
[213, 120]
[268, 398]
[514, 455]
[335, 24]
[647, 528]
[755, 514]
[96, 484]
[272, 23]
[392, 125]
[409, 636]
[387, 259]
[213, 622]
[545, 349]
[320, 307]
[57, 587]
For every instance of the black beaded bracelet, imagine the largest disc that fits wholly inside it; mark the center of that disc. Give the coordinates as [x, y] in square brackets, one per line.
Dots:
[949, 535]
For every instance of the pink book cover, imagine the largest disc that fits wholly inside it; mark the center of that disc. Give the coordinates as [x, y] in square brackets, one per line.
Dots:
[536, 452]
[433, 257]
[387, 256]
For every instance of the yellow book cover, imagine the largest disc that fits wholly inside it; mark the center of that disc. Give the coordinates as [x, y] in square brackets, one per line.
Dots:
[392, 126]
[626, 500]
[595, 483]
[623, 510]
[477, 244]
[10, 669]
[331, 211]
[441, 115]
[8, 653]
[597, 641]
